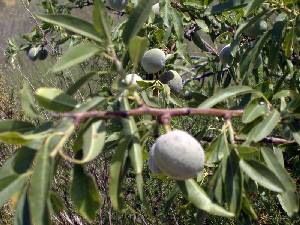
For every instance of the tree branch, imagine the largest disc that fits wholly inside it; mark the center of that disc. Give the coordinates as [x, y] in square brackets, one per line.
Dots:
[145, 110]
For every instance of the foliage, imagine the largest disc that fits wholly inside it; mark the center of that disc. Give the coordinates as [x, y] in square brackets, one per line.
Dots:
[253, 151]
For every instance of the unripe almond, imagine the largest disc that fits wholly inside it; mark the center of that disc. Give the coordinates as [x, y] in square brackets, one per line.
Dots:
[178, 155]
[173, 79]
[153, 60]
[131, 80]
[151, 162]
[225, 55]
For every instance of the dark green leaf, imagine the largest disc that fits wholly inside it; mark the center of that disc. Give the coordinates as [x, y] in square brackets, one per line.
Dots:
[74, 24]
[40, 185]
[264, 128]
[217, 149]
[261, 174]
[252, 5]
[22, 214]
[76, 55]
[27, 101]
[197, 196]
[84, 194]
[100, 19]
[227, 93]
[233, 183]
[11, 185]
[117, 170]
[137, 18]
[15, 126]
[55, 99]
[137, 47]
[93, 141]
[253, 111]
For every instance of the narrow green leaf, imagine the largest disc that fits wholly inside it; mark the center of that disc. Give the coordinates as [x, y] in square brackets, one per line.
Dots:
[10, 186]
[227, 93]
[178, 25]
[93, 141]
[15, 126]
[137, 47]
[84, 194]
[137, 18]
[264, 128]
[100, 19]
[289, 199]
[217, 149]
[55, 99]
[22, 214]
[18, 163]
[40, 185]
[261, 174]
[247, 207]
[248, 64]
[75, 55]
[27, 101]
[135, 149]
[252, 5]
[253, 111]
[197, 196]
[233, 183]
[74, 24]
[117, 170]
[226, 6]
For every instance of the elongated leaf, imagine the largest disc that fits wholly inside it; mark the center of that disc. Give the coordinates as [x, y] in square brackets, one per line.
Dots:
[249, 62]
[74, 24]
[233, 183]
[197, 196]
[137, 18]
[81, 81]
[135, 149]
[93, 141]
[227, 93]
[137, 47]
[226, 6]
[40, 185]
[10, 186]
[264, 128]
[76, 55]
[18, 164]
[15, 126]
[242, 27]
[247, 207]
[253, 111]
[22, 214]
[27, 101]
[217, 149]
[289, 199]
[117, 170]
[252, 5]
[100, 19]
[262, 175]
[18, 138]
[84, 194]
[55, 99]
